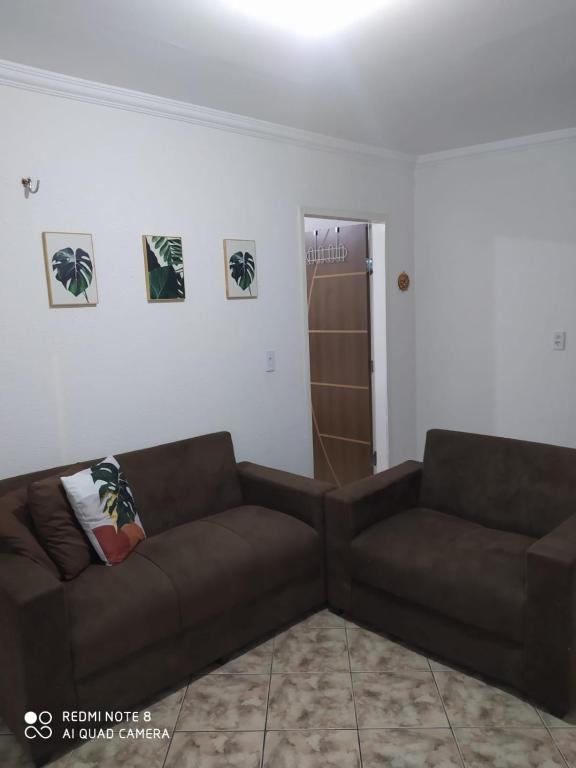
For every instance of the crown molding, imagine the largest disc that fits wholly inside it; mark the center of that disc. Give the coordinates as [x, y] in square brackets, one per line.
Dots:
[507, 145]
[74, 88]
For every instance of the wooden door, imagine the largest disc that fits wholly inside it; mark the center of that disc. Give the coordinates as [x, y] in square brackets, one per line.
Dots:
[340, 351]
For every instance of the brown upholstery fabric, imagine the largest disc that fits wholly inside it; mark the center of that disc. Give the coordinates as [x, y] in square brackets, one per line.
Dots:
[459, 569]
[437, 635]
[180, 482]
[16, 530]
[296, 495]
[135, 680]
[551, 618]
[213, 575]
[117, 611]
[282, 548]
[512, 485]
[56, 526]
[231, 558]
[355, 508]
[35, 653]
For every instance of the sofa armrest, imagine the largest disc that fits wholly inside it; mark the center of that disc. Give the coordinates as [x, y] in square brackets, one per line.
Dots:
[295, 495]
[352, 509]
[551, 617]
[35, 654]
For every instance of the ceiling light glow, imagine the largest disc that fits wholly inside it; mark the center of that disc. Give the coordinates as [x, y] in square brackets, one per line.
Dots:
[309, 18]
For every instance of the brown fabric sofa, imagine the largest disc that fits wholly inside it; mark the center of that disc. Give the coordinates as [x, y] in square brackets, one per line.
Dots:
[233, 552]
[470, 556]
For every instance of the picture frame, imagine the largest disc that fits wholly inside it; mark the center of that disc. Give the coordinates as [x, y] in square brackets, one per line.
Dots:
[70, 269]
[164, 268]
[240, 269]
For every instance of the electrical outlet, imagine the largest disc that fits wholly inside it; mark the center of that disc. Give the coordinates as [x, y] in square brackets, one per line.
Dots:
[270, 362]
[559, 341]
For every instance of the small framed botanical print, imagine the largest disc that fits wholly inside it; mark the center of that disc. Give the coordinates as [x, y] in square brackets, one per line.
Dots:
[240, 267]
[164, 264]
[70, 269]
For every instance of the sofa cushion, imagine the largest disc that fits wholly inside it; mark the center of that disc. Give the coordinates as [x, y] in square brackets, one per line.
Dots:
[104, 506]
[117, 612]
[184, 481]
[512, 485]
[232, 558]
[56, 526]
[283, 547]
[460, 569]
[16, 530]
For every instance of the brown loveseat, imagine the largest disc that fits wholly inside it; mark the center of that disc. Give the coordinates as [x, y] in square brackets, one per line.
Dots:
[233, 552]
[470, 555]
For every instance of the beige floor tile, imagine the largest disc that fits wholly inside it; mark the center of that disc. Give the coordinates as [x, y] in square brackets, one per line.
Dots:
[163, 711]
[508, 748]
[311, 650]
[398, 699]
[116, 753]
[568, 721]
[311, 701]
[565, 739]
[311, 749]
[216, 750]
[225, 703]
[324, 619]
[256, 661]
[470, 702]
[409, 748]
[370, 652]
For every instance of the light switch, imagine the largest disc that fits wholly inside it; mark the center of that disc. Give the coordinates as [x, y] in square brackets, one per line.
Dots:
[270, 362]
[559, 341]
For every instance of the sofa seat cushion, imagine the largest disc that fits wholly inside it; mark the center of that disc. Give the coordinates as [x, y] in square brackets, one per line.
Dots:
[457, 568]
[117, 612]
[283, 547]
[231, 558]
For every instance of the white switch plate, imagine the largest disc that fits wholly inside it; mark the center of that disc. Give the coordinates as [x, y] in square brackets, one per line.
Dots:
[270, 362]
[559, 341]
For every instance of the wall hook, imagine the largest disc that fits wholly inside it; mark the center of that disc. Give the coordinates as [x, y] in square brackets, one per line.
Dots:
[29, 186]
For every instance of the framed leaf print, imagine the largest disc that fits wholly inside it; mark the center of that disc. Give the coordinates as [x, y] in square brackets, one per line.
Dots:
[164, 264]
[240, 266]
[70, 269]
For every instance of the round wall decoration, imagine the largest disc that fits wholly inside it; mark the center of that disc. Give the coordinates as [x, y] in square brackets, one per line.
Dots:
[403, 281]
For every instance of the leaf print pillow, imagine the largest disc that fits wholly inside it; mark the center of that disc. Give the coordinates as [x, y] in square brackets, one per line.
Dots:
[104, 506]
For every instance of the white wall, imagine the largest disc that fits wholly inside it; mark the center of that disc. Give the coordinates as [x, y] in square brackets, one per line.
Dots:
[77, 383]
[495, 277]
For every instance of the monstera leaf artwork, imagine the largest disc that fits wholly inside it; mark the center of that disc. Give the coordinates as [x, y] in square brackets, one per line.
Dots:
[240, 269]
[74, 270]
[70, 269]
[115, 494]
[164, 268]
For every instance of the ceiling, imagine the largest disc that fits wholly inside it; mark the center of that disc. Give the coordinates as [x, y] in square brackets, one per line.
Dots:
[419, 76]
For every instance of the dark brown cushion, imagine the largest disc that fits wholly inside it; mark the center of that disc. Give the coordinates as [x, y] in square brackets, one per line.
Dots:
[284, 548]
[116, 612]
[470, 573]
[15, 530]
[512, 485]
[180, 482]
[56, 526]
[232, 558]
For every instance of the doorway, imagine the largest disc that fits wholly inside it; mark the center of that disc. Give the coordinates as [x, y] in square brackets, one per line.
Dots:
[338, 280]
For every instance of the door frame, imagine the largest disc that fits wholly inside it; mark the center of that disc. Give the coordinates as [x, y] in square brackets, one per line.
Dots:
[380, 414]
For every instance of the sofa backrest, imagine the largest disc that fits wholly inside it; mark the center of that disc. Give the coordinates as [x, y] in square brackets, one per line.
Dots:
[511, 485]
[172, 483]
[179, 482]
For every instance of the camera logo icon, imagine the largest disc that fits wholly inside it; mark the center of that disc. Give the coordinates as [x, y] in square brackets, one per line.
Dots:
[38, 725]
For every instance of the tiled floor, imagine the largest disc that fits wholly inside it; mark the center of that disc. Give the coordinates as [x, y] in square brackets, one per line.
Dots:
[329, 694]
